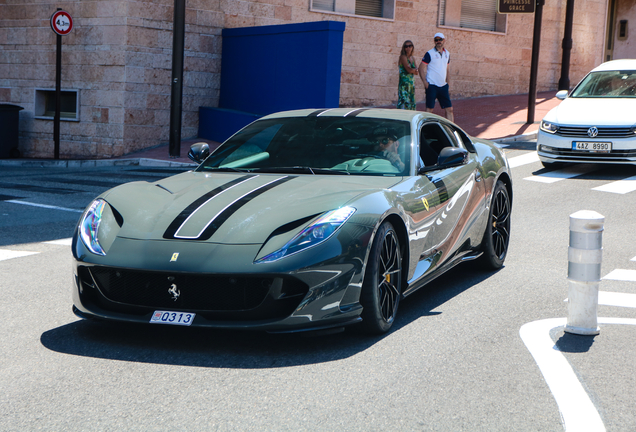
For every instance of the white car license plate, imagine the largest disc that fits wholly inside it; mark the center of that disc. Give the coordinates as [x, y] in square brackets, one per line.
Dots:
[171, 317]
[595, 147]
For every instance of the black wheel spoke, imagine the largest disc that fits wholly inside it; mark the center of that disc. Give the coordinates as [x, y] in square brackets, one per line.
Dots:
[497, 236]
[382, 287]
[389, 274]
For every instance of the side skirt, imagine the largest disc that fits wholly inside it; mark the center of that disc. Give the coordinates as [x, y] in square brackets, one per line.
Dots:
[460, 258]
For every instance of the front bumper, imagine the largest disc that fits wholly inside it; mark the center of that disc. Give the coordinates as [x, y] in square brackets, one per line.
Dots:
[220, 283]
[552, 148]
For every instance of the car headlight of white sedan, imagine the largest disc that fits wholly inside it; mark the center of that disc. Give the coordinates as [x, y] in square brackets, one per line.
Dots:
[549, 127]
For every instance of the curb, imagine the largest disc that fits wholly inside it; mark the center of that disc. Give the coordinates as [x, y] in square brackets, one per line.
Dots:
[525, 137]
[70, 163]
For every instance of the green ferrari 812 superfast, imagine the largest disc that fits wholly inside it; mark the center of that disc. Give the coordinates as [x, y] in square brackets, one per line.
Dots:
[303, 220]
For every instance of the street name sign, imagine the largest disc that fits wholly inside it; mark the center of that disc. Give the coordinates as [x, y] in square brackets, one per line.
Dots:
[515, 6]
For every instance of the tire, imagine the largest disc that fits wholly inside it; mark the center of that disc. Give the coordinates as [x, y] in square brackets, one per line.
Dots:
[497, 235]
[382, 285]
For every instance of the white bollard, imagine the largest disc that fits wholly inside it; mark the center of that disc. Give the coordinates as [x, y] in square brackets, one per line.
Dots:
[585, 255]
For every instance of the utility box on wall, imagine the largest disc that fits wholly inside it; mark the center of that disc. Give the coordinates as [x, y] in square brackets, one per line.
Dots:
[276, 68]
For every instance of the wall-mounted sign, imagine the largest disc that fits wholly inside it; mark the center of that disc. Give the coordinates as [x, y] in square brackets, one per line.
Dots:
[515, 6]
[61, 22]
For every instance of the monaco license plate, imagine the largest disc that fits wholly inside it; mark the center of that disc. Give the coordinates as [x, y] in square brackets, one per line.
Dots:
[171, 317]
[594, 147]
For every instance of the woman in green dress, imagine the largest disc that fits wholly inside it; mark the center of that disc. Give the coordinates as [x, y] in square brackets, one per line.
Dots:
[406, 89]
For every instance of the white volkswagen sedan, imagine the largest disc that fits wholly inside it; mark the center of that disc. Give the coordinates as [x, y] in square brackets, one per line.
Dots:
[596, 122]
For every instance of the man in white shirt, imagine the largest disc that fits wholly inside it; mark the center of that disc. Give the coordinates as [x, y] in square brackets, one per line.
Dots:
[434, 73]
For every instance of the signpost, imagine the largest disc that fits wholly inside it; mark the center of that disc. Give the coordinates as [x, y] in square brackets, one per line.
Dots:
[62, 24]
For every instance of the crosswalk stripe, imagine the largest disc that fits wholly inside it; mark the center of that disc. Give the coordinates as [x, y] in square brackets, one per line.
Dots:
[61, 242]
[607, 298]
[6, 254]
[620, 187]
[524, 159]
[622, 275]
[562, 174]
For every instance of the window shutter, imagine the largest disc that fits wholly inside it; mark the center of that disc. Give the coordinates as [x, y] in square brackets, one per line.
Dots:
[479, 14]
[326, 5]
[442, 12]
[369, 8]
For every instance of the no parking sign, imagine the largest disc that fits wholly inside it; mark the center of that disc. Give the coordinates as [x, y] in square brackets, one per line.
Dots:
[61, 22]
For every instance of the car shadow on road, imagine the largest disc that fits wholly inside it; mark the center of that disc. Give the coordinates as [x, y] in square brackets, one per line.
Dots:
[590, 171]
[212, 348]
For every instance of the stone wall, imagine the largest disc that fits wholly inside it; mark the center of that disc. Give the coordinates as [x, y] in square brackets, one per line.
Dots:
[119, 57]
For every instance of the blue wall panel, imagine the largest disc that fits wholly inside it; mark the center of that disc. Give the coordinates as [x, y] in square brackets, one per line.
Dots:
[274, 68]
[280, 67]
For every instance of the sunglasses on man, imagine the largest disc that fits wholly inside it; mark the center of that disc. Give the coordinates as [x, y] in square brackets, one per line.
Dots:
[438, 39]
[383, 141]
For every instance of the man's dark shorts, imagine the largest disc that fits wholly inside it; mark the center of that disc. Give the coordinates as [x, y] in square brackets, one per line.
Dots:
[440, 93]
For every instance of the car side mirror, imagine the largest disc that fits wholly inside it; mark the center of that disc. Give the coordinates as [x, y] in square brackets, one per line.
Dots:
[452, 156]
[199, 152]
[562, 94]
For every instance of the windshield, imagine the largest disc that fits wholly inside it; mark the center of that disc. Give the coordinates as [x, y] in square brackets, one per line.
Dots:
[607, 84]
[317, 145]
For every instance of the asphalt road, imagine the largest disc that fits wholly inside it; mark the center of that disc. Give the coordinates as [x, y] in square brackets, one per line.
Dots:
[455, 359]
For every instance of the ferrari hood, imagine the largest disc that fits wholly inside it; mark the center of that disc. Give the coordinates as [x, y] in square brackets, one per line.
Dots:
[231, 208]
[594, 112]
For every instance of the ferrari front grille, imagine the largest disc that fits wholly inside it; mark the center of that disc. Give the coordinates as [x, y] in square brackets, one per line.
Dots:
[196, 292]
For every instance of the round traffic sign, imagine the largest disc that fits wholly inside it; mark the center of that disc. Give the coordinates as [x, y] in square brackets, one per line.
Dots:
[61, 22]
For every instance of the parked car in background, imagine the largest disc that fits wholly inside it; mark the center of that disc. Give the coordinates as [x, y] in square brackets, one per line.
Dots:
[596, 122]
[303, 220]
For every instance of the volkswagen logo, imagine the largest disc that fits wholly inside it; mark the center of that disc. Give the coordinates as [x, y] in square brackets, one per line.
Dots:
[592, 132]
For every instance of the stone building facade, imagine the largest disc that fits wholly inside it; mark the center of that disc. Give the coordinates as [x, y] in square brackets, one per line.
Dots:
[118, 57]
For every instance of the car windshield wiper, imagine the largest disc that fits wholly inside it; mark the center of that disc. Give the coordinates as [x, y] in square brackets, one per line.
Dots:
[226, 169]
[299, 169]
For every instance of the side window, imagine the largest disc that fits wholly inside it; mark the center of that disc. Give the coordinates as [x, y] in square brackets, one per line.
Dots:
[461, 138]
[432, 140]
[433, 137]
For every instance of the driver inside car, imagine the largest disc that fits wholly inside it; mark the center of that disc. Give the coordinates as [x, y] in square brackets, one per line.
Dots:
[386, 146]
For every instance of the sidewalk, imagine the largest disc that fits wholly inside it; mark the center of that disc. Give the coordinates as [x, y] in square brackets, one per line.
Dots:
[498, 118]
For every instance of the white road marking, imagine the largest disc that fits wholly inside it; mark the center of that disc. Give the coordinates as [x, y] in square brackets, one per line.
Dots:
[561, 174]
[607, 298]
[622, 275]
[577, 410]
[6, 254]
[633, 259]
[61, 242]
[44, 206]
[620, 187]
[578, 413]
[523, 159]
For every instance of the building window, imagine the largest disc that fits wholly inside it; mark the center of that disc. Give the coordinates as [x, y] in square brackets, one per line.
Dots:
[45, 104]
[369, 8]
[472, 14]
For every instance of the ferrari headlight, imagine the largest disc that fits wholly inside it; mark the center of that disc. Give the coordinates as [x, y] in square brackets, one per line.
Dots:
[549, 127]
[316, 233]
[89, 226]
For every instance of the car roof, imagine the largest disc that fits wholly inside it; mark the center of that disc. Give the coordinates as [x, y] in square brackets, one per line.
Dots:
[382, 113]
[616, 65]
